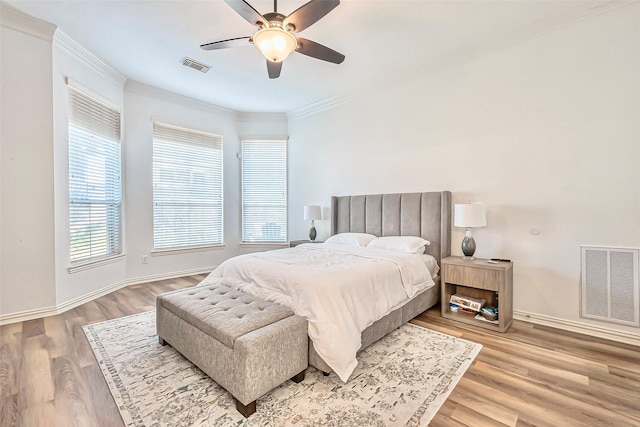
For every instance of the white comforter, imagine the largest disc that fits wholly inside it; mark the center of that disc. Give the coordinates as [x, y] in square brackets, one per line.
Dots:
[339, 289]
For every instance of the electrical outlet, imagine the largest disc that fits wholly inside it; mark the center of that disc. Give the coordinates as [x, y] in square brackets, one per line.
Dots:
[145, 259]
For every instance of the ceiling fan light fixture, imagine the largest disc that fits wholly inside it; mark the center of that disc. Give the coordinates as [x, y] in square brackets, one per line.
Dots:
[276, 36]
[275, 43]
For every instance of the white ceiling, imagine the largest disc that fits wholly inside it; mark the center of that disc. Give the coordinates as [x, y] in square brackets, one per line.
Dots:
[383, 41]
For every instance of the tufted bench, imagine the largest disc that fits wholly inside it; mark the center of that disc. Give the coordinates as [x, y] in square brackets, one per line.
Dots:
[247, 344]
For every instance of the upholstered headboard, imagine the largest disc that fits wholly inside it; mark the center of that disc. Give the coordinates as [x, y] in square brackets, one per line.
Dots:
[427, 215]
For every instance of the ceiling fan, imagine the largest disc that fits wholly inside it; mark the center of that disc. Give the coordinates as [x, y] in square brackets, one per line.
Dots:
[276, 36]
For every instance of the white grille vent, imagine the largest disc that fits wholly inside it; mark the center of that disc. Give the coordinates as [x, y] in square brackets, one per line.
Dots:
[609, 285]
[192, 63]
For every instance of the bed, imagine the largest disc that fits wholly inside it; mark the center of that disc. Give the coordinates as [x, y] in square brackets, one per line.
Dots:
[348, 312]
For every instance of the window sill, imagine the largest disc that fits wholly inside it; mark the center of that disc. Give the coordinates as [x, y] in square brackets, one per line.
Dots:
[95, 263]
[270, 244]
[176, 251]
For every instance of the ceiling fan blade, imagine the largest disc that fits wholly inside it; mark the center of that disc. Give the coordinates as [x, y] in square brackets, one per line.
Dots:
[309, 13]
[316, 50]
[274, 69]
[247, 11]
[224, 44]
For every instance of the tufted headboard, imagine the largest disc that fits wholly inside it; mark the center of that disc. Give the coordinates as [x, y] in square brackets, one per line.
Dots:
[427, 215]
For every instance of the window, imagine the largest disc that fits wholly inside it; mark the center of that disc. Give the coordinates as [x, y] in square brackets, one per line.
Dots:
[187, 188]
[264, 191]
[94, 179]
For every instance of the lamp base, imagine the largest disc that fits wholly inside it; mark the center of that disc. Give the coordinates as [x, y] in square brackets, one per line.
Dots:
[312, 233]
[468, 246]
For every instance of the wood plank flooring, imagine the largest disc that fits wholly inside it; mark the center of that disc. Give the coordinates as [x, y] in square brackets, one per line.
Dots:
[536, 375]
[529, 376]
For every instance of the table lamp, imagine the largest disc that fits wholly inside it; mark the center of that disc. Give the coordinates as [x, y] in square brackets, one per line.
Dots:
[469, 215]
[311, 213]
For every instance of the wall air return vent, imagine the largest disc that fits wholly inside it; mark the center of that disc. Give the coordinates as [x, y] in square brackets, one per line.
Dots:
[609, 285]
[192, 63]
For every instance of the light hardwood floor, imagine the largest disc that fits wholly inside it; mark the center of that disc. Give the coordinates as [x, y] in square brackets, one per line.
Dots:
[531, 375]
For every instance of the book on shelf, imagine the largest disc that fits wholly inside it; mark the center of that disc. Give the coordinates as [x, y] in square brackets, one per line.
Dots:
[466, 302]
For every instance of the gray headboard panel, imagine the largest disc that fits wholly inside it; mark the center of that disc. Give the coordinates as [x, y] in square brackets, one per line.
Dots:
[427, 215]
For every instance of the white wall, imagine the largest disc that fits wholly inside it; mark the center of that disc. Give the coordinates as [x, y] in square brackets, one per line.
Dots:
[545, 132]
[71, 61]
[26, 154]
[34, 243]
[143, 105]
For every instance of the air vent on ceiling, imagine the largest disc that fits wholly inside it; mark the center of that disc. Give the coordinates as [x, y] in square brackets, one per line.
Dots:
[191, 63]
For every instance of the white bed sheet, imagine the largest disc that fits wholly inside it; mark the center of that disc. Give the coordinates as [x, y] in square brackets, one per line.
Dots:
[339, 289]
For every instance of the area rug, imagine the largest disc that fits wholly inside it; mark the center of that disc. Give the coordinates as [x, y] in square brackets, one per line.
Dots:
[401, 380]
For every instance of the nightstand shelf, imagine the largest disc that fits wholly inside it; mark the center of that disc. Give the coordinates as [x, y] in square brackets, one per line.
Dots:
[478, 279]
[294, 243]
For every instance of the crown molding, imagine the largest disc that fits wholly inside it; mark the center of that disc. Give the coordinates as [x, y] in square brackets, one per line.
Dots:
[573, 13]
[143, 89]
[15, 20]
[319, 106]
[262, 117]
[77, 51]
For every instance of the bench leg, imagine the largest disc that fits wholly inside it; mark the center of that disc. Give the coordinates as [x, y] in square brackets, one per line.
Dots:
[246, 410]
[298, 377]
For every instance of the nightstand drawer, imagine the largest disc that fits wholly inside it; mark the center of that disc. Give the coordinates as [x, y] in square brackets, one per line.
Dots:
[472, 276]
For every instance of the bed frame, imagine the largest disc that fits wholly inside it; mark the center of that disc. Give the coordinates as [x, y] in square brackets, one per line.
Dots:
[427, 215]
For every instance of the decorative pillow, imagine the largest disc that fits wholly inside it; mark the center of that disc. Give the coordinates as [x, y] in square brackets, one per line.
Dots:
[353, 239]
[410, 244]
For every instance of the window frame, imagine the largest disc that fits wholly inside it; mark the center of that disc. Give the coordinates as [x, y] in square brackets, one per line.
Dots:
[285, 142]
[217, 142]
[77, 96]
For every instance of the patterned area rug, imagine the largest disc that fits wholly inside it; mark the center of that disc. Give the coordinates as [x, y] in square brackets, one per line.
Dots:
[402, 380]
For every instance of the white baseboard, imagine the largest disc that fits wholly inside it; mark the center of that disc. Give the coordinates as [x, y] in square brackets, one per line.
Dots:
[582, 328]
[68, 305]
[554, 322]
[22, 316]
[156, 277]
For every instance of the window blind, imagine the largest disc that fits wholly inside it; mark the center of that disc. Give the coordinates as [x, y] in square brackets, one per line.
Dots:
[264, 191]
[94, 179]
[187, 188]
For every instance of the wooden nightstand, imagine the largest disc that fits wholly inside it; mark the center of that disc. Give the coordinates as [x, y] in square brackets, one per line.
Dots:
[478, 279]
[294, 243]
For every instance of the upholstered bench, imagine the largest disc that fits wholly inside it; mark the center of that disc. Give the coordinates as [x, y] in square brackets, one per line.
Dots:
[246, 344]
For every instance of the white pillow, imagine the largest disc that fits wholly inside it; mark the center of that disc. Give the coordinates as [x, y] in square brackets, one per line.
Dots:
[410, 244]
[353, 239]
[431, 264]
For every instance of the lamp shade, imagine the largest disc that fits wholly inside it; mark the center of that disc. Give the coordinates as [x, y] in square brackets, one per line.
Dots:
[469, 215]
[312, 212]
[275, 43]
